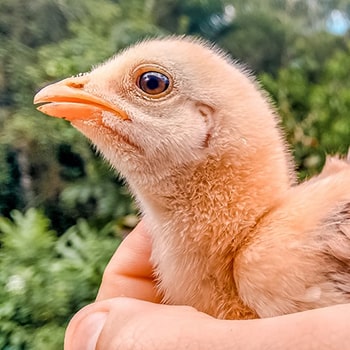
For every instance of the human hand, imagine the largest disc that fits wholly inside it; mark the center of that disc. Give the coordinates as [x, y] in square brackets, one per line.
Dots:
[117, 320]
[129, 272]
[104, 324]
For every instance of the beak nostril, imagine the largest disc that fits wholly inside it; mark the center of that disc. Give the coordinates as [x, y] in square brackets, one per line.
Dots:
[76, 85]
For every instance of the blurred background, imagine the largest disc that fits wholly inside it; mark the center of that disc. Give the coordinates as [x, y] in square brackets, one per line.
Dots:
[62, 211]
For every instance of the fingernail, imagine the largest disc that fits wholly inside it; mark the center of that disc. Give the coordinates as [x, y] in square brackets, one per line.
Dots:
[88, 331]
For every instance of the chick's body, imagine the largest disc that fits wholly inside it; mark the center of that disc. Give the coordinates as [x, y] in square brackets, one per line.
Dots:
[201, 150]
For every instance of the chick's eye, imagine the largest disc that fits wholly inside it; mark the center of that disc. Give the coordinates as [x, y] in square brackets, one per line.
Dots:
[153, 83]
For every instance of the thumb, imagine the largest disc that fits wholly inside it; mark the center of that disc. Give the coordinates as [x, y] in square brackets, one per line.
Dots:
[98, 325]
[85, 328]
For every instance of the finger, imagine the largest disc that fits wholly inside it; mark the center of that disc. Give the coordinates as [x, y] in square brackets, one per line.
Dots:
[130, 272]
[85, 327]
[96, 326]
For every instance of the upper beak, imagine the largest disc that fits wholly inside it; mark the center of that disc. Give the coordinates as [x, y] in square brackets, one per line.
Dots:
[67, 99]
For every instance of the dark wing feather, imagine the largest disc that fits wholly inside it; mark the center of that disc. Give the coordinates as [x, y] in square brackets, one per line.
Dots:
[336, 247]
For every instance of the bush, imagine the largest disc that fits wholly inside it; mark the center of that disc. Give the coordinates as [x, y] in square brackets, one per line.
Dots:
[46, 279]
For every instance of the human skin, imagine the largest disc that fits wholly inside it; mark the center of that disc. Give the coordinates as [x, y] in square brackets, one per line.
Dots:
[127, 315]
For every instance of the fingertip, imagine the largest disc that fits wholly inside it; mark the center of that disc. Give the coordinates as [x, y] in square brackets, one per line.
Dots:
[85, 328]
[140, 230]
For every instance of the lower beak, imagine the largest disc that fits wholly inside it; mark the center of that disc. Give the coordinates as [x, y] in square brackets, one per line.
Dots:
[67, 99]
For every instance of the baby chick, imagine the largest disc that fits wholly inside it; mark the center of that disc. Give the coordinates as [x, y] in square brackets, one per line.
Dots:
[201, 149]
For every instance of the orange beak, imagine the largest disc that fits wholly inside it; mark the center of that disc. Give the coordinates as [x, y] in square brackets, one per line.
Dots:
[67, 99]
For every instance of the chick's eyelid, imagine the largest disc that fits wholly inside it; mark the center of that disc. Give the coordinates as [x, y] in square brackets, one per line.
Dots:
[147, 67]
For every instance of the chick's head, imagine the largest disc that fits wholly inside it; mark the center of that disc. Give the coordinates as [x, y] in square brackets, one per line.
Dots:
[157, 106]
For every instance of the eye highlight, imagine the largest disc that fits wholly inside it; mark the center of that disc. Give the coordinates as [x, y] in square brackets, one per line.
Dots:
[153, 83]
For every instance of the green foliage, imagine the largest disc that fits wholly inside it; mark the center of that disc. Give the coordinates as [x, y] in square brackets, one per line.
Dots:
[46, 279]
[314, 107]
